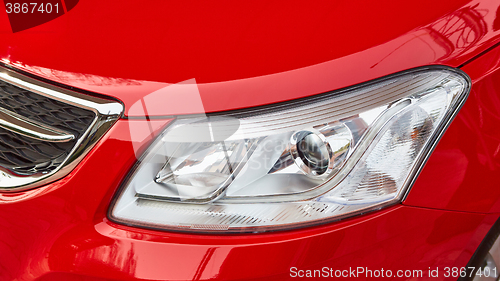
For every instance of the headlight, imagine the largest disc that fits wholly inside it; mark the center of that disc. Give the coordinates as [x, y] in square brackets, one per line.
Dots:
[293, 164]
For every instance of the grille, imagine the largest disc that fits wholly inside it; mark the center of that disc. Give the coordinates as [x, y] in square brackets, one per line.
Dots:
[45, 110]
[46, 130]
[26, 156]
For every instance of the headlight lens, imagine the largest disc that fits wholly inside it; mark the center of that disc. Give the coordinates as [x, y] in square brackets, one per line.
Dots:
[293, 164]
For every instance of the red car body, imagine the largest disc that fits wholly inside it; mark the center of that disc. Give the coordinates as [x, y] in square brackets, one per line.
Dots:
[243, 55]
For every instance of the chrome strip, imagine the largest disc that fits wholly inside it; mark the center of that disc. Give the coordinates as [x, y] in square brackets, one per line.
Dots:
[21, 125]
[107, 113]
[98, 105]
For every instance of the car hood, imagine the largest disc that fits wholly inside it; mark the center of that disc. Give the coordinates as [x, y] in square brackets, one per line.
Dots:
[183, 57]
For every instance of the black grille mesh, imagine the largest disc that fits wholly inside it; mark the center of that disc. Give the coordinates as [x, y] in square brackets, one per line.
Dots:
[26, 156]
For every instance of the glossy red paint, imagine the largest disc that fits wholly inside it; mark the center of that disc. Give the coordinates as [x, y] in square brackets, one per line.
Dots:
[252, 54]
[398, 238]
[244, 55]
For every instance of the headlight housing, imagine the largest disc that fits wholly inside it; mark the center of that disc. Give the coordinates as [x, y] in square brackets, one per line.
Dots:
[293, 164]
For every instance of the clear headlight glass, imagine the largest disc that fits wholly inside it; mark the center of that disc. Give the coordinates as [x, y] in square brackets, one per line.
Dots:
[293, 164]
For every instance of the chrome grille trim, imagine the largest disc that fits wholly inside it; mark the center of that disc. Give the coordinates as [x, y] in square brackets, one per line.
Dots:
[21, 125]
[107, 112]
